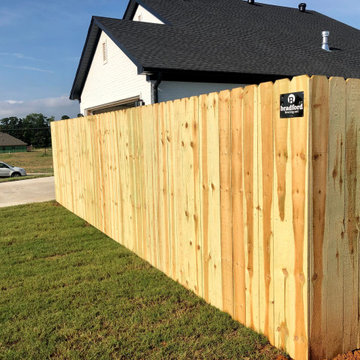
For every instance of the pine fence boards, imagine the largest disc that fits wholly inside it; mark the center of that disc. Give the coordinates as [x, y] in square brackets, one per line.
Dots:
[335, 210]
[171, 179]
[257, 214]
[250, 206]
[239, 265]
[352, 212]
[161, 188]
[152, 258]
[204, 194]
[299, 130]
[257, 265]
[194, 144]
[225, 202]
[118, 213]
[320, 125]
[191, 189]
[283, 233]
[213, 255]
[56, 165]
[266, 195]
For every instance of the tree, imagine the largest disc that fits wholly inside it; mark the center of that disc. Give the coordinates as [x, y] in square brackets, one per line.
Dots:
[34, 129]
[65, 117]
[11, 125]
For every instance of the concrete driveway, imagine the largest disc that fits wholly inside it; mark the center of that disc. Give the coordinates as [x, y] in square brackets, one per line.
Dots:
[27, 191]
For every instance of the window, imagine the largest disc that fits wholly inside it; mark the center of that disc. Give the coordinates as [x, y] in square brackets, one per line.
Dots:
[105, 52]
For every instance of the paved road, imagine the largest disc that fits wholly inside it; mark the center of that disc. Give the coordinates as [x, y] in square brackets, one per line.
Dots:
[27, 191]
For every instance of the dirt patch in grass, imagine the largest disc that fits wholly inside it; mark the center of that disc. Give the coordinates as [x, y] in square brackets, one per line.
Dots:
[352, 355]
[55, 257]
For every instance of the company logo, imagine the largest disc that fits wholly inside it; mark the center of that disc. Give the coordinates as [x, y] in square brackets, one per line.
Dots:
[292, 105]
[291, 99]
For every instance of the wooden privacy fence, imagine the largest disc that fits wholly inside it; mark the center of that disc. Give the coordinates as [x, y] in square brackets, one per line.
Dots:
[257, 214]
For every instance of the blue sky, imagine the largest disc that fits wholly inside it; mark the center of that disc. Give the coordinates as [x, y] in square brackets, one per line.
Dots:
[41, 43]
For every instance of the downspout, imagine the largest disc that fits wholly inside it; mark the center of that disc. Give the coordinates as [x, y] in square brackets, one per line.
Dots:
[156, 88]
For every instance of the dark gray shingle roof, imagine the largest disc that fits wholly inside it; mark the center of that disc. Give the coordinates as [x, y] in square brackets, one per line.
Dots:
[8, 140]
[229, 36]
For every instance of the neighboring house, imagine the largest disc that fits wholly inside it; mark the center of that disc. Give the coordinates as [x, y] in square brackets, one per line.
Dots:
[163, 50]
[9, 144]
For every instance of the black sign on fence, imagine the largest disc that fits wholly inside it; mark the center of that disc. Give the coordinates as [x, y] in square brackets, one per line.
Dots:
[292, 105]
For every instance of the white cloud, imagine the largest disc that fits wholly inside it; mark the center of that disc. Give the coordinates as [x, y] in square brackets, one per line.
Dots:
[12, 102]
[18, 56]
[29, 68]
[56, 106]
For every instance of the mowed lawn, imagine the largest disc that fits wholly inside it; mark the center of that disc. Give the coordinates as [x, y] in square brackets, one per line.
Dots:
[69, 292]
[36, 161]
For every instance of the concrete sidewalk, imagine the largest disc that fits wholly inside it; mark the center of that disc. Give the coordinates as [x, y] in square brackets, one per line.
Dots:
[27, 191]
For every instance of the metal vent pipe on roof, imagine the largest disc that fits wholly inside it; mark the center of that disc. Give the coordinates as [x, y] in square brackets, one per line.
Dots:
[251, 2]
[302, 7]
[325, 43]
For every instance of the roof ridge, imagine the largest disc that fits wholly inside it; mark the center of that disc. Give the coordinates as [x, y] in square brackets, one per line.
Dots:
[230, 37]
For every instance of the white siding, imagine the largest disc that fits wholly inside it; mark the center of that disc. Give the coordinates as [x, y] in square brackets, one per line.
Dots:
[171, 90]
[114, 80]
[142, 14]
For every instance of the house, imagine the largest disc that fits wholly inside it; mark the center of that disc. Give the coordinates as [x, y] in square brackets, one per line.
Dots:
[9, 144]
[163, 50]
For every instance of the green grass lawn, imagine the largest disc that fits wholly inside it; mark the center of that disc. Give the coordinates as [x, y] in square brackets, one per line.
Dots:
[36, 161]
[69, 292]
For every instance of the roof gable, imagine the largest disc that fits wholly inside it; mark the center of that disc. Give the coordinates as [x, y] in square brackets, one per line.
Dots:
[144, 15]
[87, 55]
[133, 5]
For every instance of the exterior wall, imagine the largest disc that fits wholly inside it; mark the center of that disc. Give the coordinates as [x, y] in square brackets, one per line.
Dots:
[142, 14]
[114, 80]
[171, 90]
[117, 79]
[12, 149]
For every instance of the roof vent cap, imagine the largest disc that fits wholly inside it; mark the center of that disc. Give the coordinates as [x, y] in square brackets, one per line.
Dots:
[251, 2]
[325, 43]
[302, 7]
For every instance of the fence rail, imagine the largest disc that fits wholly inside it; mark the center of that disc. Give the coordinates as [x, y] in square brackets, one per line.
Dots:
[257, 214]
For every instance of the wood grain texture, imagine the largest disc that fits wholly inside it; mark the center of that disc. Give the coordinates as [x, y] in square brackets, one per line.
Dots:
[226, 202]
[171, 187]
[320, 125]
[190, 193]
[213, 185]
[204, 194]
[352, 213]
[299, 131]
[237, 186]
[283, 233]
[266, 190]
[334, 219]
[250, 198]
[256, 214]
